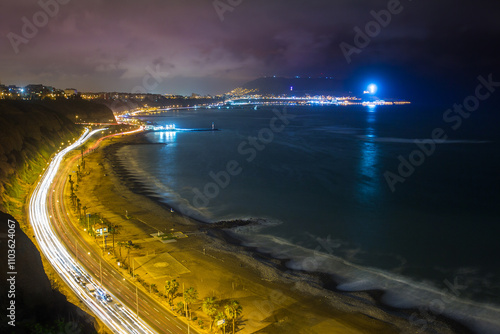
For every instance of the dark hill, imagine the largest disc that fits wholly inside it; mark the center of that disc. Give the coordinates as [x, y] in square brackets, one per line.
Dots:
[86, 111]
[38, 307]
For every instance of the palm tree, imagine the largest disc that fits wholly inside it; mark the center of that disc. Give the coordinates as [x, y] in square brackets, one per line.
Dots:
[171, 288]
[112, 229]
[190, 295]
[120, 245]
[71, 186]
[210, 308]
[233, 310]
[79, 207]
[129, 245]
[220, 316]
[180, 307]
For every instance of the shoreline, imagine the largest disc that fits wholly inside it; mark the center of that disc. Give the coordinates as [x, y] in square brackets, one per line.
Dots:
[365, 303]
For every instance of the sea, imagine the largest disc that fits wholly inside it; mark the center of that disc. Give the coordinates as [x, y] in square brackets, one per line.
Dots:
[403, 199]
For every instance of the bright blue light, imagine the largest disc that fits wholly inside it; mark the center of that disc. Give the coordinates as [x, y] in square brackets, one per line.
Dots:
[372, 88]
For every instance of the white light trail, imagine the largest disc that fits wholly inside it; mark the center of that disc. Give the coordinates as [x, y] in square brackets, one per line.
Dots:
[118, 320]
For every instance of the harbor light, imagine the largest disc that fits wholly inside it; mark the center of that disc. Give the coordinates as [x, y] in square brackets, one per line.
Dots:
[372, 88]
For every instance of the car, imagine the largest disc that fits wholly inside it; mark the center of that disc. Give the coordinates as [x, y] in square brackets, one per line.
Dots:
[108, 298]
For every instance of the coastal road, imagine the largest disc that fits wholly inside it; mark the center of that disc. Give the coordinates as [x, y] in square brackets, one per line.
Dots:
[60, 243]
[89, 255]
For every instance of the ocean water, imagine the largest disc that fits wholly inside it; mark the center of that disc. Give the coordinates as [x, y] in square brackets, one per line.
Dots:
[349, 192]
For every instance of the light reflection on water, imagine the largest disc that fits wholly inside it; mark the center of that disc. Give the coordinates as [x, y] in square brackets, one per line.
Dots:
[369, 185]
[338, 158]
[165, 136]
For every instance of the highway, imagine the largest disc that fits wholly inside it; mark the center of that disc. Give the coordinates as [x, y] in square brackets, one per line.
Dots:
[116, 301]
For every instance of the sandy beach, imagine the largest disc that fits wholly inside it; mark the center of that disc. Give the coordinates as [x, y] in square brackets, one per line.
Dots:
[274, 299]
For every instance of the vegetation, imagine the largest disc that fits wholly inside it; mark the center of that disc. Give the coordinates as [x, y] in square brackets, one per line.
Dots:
[218, 317]
[190, 296]
[233, 310]
[171, 288]
[210, 306]
[129, 245]
[120, 245]
[180, 307]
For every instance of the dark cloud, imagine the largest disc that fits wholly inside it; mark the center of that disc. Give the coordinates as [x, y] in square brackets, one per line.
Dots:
[109, 45]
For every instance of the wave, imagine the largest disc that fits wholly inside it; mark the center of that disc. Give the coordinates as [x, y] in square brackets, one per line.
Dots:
[399, 291]
[412, 141]
[342, 130]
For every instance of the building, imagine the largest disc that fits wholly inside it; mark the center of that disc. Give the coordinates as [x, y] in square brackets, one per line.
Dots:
[100, 230]
[70, 92]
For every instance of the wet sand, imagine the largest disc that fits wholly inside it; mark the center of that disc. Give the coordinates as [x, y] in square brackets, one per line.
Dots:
[274, 299]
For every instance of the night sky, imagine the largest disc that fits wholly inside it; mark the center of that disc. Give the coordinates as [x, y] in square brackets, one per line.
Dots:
[429, 48]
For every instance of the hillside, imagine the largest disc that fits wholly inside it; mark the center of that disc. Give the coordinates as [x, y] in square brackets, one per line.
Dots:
[81, 111]
[30, 132]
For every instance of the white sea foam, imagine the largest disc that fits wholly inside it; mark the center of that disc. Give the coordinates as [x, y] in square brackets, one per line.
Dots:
[399, 291]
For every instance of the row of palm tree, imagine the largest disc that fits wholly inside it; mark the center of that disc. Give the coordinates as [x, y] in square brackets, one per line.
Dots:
[211, 307]
[217, 312]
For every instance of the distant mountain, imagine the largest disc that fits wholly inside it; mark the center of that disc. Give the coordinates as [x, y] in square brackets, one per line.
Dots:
[296, 86]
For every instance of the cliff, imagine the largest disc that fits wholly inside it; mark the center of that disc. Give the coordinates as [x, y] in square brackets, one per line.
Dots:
[36, 306]
[30, 132]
